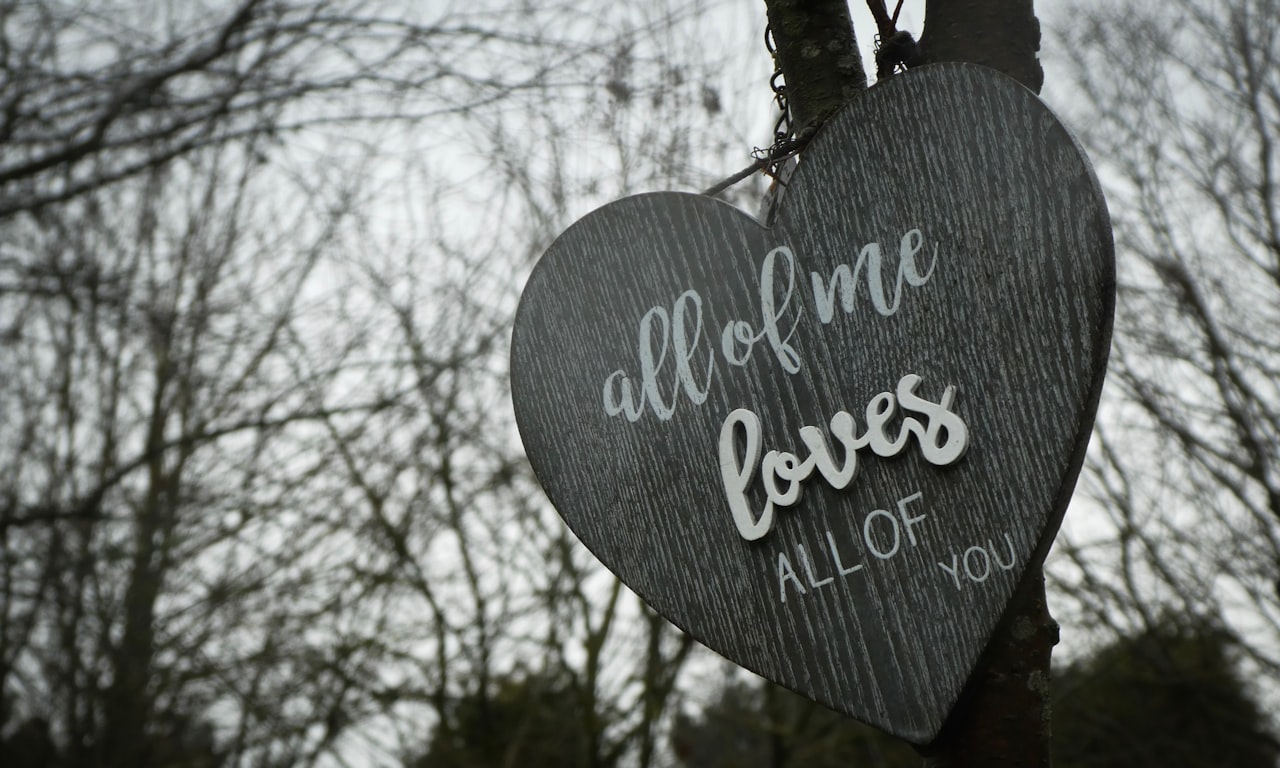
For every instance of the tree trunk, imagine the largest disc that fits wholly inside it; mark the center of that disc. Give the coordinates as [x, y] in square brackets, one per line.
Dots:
[1001, 34]
[818, 55]
[1003, 718]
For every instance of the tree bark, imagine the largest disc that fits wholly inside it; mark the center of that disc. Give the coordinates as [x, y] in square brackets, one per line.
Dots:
[1001, 34]
[818, 55]
[1003, 718]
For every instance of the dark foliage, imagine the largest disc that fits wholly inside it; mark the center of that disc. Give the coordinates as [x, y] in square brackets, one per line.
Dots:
[1171, 696]
[535, 721]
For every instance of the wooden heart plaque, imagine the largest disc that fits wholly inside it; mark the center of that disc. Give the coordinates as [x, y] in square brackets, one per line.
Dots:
[830, 449]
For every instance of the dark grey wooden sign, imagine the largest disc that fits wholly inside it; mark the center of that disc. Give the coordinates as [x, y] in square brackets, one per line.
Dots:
[829, 450]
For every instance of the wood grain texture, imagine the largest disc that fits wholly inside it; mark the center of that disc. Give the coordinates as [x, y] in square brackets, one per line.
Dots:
[1015, 315]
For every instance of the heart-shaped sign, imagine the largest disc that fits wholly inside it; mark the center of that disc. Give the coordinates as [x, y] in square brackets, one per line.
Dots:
[830, 449]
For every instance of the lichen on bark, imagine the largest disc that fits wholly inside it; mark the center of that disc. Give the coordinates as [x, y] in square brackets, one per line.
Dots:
[818, 54]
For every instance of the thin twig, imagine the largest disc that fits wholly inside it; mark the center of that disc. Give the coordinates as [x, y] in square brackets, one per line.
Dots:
[722, 185]
[774, 155]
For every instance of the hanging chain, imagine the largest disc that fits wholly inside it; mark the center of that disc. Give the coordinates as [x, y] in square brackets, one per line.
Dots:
[773, 159]
[783, 130]
[786, 144]
[894, 49]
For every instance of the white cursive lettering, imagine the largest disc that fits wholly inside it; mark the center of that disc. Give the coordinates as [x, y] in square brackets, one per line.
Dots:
[845, 280]
[942, 440]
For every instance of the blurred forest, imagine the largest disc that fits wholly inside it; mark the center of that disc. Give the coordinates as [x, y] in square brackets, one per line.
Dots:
[262, 500]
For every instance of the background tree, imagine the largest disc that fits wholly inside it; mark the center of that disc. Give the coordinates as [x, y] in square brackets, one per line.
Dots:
[534, 721]
[97, 92]
[1172, 695]
[756, 724]
[261, 500]
[1179, 104]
